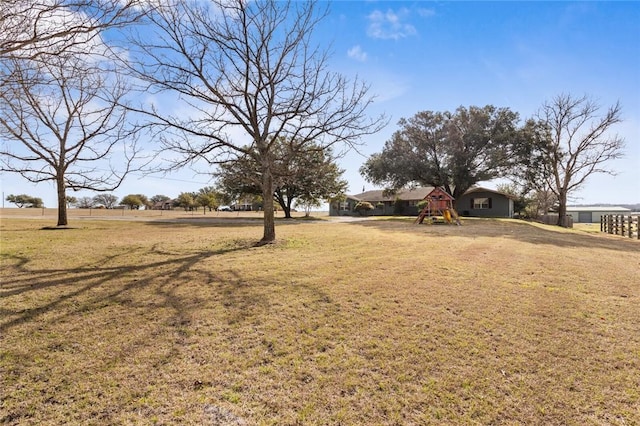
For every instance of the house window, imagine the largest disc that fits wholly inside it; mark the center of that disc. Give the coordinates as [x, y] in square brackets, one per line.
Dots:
[344, 205]
[481, 203]
[413, 202]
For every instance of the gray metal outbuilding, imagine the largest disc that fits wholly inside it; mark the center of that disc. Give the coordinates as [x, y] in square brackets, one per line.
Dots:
[592, 214]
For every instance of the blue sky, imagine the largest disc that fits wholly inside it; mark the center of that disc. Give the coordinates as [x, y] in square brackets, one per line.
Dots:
[440, 55]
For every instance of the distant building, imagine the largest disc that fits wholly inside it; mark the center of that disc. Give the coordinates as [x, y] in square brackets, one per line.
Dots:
[592, 214]
[163, 205]
[478, 202]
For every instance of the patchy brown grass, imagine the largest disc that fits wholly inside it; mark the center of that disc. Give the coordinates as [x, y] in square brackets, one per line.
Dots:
[358, 323]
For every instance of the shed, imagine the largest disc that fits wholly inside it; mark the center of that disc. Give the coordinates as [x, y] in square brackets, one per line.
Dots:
[592, 214]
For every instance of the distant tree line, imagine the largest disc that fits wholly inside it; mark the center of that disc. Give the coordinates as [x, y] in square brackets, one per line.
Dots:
[208, 198]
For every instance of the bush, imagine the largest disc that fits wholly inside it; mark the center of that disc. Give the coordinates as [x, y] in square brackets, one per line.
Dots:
[363, 207]
[398, 207]
[422, 204]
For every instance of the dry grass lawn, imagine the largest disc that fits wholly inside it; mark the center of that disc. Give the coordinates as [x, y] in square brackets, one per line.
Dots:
[371, 322]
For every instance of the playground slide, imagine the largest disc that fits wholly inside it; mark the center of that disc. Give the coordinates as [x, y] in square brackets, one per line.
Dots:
[447, 216]
[454, 217]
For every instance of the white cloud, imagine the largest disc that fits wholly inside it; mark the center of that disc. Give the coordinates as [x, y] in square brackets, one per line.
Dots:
[357, 53]
[426, 13]
[390, 25]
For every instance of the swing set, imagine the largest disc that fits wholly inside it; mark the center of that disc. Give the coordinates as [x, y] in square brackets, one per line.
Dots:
[439, 203]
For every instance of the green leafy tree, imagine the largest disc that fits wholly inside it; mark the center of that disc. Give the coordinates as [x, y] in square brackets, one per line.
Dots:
[307, 204]
[398, 206]
[24, 200]
[145, 200]
[19, 200]
[186, 200]
[308, 174]
[207, 198]
[71, 201]
[363, 207]
[451, 150]
[36, 202]
[132, 201]
[159, 199]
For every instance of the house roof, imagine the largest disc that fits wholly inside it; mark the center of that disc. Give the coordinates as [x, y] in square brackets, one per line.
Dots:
[413, 194]
[597, 209]
[481, 189]
[378, 195]
[162, 203]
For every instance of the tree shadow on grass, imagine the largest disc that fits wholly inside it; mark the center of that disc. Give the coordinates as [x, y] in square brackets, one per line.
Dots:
[99, 275]
[213, 222]
[99, 284]
[130, 314]
[543, 235]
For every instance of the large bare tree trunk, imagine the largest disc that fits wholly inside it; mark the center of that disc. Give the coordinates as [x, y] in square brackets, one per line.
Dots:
[562, 208]
[62, 202]
[269, 216]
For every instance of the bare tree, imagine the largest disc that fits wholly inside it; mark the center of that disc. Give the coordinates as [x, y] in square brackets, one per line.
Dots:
[35, 28]
[61, 121]
[577, 144]
[249, 73]
[107, 200]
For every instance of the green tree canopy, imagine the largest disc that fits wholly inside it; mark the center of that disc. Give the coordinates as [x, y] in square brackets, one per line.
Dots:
[208, 198]
[71, 200]
[158, 198]
[453, 150]
[24, 200]
[363, 207]
[186, 200]
[306, 173]
[132, 201]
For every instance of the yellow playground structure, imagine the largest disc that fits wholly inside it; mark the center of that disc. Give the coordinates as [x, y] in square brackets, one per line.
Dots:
[439, 203]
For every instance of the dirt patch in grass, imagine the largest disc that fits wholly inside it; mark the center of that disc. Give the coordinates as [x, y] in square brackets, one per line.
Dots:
[360, 323]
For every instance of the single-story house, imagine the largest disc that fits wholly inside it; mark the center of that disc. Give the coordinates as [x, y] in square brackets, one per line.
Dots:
[592, 214]
[483, 202]
[402, 203]
[163, 205]
[245, 204]
[475, 202]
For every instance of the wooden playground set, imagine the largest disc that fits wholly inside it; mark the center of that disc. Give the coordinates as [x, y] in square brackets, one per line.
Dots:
[439, 203]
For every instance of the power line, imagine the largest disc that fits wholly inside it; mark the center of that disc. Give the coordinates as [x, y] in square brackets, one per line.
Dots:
[159, 177]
